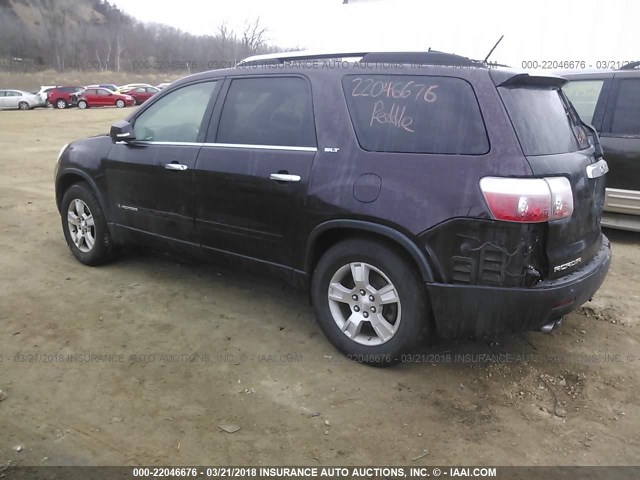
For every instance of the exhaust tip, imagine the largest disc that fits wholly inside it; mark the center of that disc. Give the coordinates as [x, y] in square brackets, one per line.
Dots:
[548, 328]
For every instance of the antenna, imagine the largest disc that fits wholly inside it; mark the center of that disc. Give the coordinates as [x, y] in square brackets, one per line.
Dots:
[494, 47]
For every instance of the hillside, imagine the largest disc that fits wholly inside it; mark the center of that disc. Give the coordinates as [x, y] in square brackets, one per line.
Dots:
[94, 35]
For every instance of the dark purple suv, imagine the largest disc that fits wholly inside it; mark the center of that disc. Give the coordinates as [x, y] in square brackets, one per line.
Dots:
[414, 194]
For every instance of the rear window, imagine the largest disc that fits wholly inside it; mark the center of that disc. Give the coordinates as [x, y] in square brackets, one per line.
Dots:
[415, 114]
[544, 121]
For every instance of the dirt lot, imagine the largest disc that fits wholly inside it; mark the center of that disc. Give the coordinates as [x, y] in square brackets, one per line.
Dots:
[180, 349]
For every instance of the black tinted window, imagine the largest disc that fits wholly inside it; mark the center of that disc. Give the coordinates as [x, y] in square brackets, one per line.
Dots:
[543, 122]
[415, 114]
[268, 111]
[626, 116]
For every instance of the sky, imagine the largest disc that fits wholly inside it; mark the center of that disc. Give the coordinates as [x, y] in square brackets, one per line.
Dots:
[595, 31]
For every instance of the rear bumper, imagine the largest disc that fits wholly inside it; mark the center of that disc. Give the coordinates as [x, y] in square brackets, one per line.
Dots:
[472, 310]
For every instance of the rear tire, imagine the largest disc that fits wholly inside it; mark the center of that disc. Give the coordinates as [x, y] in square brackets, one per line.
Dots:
[370, 301]
[84, 226]
[120, 103]
[61, 104]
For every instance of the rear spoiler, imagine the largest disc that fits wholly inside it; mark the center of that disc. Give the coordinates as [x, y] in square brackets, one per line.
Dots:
[510, 79]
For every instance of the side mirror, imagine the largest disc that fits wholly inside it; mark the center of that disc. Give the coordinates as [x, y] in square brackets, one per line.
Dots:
[122, 131]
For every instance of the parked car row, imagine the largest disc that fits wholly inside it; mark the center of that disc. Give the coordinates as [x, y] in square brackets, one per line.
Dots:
[64, 96]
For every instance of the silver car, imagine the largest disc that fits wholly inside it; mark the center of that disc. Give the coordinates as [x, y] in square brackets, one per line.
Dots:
[18, 99]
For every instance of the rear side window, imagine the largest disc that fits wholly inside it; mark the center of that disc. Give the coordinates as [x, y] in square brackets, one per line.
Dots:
[268, 111]
[415, 114]
[584, 96]
[626, 116]
[543, 121]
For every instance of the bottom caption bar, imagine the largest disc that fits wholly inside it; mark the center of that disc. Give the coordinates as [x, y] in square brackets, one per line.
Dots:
[251, 472]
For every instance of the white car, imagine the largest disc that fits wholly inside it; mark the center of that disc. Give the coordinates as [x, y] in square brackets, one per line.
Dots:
[130, 86]
[43, 93]
[162, 85]
[19, 99]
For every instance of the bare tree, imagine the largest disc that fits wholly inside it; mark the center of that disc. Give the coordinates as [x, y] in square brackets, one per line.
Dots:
[253, 37]
[55, 14]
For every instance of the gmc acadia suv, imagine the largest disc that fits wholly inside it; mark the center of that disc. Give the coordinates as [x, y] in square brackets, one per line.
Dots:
[414, 194]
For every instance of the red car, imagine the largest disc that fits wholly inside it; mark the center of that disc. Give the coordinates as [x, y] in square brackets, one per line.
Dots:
[142, 94]
[102, 97]
[63, 97]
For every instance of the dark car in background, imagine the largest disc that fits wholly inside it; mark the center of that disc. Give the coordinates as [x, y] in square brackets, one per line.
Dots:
[103, 97]
[63, 97]
[411, 196]
[610, 101]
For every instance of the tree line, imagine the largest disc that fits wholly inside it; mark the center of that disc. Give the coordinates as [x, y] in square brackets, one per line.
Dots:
[96, 35]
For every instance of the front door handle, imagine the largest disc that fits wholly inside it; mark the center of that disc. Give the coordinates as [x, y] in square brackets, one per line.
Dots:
[284, 177]
[176, 166]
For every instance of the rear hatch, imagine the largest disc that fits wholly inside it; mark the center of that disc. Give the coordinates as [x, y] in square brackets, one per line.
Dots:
[556, 143]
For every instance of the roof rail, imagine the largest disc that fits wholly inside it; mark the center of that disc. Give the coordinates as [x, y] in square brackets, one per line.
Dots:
[281, 57]
[431, 57]
[630, 66]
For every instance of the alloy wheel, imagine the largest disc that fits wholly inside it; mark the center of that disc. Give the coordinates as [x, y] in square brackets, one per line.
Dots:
[81, 225]
[364, 303]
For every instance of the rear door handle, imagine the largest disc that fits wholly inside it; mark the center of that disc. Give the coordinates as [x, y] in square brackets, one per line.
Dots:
[176, 166]
[284, 177]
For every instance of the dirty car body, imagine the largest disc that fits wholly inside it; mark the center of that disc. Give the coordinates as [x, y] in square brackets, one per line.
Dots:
[446, 170]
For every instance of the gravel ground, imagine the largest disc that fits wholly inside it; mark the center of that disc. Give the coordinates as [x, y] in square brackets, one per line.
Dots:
[148, 360]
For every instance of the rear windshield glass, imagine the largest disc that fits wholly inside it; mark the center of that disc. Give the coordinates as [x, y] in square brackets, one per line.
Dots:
[544, 121]
[415, 114]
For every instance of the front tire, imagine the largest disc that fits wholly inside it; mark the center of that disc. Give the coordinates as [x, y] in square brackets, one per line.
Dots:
[82, 105]
[23, 106]
[120, 103]
[84, 226]
[61, 104]
[370, 301]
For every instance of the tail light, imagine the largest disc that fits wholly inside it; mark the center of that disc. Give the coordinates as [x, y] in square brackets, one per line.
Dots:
[529, 200]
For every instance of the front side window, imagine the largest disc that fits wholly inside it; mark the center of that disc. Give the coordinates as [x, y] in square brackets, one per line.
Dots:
[415, 114]
[584, 97]
[626, 116]
[178, 117]
[268, 111]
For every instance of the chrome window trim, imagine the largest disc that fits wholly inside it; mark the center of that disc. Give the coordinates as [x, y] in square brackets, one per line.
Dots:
[229, 145]
[174, 144]
[262, 147]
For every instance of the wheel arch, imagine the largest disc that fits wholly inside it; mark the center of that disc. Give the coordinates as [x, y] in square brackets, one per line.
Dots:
[71, 176]
[327, 234]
